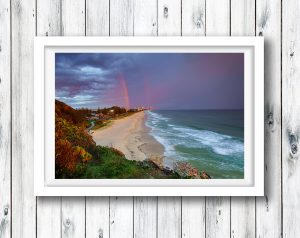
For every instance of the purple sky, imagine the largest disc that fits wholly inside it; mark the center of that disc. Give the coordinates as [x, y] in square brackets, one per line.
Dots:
[159, 80]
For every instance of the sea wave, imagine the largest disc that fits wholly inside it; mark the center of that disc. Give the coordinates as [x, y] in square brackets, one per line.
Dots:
[171, 135]
[219, 143]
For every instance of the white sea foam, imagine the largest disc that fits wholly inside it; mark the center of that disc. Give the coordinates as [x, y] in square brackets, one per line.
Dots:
[171, 135]
[219, 143]
[159, 134]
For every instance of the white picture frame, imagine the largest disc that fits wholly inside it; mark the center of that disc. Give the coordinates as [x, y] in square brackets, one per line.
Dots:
[45, 183]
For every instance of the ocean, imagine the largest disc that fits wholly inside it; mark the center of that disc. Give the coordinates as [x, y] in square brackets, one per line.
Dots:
[211, 140]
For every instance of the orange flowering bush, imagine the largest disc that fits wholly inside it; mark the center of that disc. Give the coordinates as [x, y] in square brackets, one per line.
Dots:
[72, 143]
[67, 157]
[82, 154]
[74, 134]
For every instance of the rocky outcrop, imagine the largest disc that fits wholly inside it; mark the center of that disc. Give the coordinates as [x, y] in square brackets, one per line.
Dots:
[204, 175]
[157, 161]
[183, 169]
[186, 170]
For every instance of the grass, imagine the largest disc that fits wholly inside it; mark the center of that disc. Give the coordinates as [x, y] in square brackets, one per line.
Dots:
[101, 124]
[111, 164]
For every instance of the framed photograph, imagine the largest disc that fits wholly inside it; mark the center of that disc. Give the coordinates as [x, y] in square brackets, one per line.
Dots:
[148, 116]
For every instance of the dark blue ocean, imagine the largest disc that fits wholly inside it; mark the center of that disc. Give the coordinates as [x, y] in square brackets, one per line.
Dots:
[211, 140]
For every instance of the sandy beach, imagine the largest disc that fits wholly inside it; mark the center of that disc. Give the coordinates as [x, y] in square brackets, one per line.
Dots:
[131, 136]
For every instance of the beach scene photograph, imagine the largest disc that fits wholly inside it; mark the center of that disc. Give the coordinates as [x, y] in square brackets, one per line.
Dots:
[141, 115]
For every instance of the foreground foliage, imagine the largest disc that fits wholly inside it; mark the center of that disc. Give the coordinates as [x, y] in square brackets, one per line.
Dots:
[72, 146]
[111, 163]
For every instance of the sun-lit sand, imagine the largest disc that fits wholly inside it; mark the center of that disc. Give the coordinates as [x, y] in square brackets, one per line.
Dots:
[131, 136]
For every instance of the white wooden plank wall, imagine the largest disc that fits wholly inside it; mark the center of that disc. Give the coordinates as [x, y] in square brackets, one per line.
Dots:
[5, 120]
[23, 203]
[268, 208]
[274, 215]
[290, 117]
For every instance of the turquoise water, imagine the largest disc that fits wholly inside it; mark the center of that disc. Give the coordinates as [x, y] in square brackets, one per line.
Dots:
[211, 140]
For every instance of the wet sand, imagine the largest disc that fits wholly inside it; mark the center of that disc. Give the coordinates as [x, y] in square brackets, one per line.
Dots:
[131, 136]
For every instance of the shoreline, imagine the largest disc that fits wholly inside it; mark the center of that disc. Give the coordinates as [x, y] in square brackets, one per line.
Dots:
[131, 136]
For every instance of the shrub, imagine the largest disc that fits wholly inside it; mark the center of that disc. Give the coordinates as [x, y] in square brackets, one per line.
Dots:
[65, 158]
[68, 157]
[76, 135]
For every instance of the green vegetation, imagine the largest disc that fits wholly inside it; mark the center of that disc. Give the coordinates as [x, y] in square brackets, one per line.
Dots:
[100, 124]
[111, 163]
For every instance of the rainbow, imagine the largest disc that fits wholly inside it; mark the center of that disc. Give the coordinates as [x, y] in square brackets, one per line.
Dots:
[124, 89]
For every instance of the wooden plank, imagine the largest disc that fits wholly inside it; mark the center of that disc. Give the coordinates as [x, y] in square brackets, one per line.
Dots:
[218, 208]
[193, 208]
[48, 217]
[48, 20]
[268, 208]
[48, 208]
[169, 208]
[169, 217]
[73, 17]
[145, 217]
[242, 208]
[242, 18]
[217, 217]
[145, 18]
[193, 217]
[97, 17]
[121, 17]
[218, 18]
[97, 208]
[5, 121]
[97, 217]
[290, 117]
[169, 17]
[242, 217]
[23, 200]
[193, 17]
[73, 217]
[145, 208]
[73, 209]
[121, 217]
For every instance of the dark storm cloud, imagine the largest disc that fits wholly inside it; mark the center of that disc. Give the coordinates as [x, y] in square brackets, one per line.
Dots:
[160, 80]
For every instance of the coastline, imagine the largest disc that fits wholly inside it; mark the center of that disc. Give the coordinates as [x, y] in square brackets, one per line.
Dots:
[131, 136]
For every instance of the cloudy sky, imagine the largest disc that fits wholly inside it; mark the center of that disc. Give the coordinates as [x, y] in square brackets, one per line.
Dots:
[159, 80]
